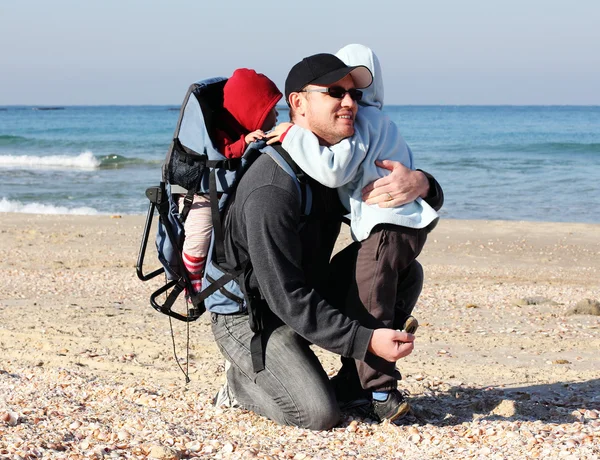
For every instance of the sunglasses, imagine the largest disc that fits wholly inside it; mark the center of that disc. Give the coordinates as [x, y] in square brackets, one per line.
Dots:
[337, 92]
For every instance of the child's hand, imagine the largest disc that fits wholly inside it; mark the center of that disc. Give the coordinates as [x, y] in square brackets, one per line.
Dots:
[279, 130]
[254, 136]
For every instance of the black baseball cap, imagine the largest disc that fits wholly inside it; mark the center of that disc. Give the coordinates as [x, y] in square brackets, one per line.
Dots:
[324, 69]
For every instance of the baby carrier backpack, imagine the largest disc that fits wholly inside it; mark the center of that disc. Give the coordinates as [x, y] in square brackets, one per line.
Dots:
[194, 166]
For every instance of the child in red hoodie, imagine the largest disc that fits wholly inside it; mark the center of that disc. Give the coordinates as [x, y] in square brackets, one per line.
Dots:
[249, 100]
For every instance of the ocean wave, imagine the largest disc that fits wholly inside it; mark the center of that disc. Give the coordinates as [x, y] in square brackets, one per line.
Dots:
[540, 147]
[7, 139]
[39, 208]
[562, 147]
[85, 160]
[120, 161]
[47, 108]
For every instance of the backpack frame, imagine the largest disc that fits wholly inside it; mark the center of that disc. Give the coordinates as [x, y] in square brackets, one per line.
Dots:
[186, 172]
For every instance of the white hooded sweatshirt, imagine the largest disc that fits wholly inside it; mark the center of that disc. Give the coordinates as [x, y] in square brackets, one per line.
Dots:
[350, 164]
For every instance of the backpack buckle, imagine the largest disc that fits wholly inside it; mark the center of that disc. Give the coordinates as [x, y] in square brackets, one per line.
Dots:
[230, 164]
[188, 199]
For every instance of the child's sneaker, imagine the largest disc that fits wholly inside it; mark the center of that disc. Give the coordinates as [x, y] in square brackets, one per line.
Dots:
[393, 408]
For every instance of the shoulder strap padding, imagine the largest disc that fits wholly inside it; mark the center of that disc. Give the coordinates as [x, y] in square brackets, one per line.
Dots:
[285, 162]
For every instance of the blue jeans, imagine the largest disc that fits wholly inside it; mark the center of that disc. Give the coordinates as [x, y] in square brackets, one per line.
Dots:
[293, 389]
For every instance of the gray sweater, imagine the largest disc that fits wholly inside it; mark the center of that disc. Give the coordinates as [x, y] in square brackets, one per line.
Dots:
[290, 260]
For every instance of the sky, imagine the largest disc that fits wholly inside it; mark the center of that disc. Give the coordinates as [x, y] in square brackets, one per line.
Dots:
[459, 52]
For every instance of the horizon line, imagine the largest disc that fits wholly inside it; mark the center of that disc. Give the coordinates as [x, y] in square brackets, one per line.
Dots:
[286, 107]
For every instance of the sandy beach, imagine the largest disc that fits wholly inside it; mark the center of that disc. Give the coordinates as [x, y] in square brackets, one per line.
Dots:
[501, 368]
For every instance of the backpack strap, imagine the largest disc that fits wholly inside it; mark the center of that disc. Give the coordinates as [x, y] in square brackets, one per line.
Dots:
[285, 162]
[256, 320]
[190, 156]
[243, 269]
[255, 311]
[231, 164]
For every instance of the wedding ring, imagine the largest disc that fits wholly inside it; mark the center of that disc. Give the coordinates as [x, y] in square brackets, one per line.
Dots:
[390, 197]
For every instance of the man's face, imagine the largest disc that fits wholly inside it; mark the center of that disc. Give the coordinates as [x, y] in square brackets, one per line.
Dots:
[329, 118]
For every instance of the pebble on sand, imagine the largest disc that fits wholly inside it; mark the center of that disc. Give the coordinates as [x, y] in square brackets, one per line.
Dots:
[586, 307]
[535, 300]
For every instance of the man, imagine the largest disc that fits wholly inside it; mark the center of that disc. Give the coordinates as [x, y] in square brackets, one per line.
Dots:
[291, 265]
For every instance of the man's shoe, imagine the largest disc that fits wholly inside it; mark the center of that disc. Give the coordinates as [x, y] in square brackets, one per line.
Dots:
[410, 325]
[393, 408]
[224, 397]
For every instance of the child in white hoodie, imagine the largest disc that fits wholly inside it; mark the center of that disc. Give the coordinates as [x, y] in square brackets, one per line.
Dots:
[390, 238]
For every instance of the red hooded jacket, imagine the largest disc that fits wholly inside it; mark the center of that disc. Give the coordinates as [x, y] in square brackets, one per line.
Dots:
[248, 97]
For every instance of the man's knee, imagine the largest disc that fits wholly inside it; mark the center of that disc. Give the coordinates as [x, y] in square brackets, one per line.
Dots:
[315, 405]
[322, 414]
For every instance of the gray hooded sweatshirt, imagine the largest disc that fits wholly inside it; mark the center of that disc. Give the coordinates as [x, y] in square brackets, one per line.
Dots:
[350, 164]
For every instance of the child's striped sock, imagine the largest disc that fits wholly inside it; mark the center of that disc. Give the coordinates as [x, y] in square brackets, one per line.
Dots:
[195, 269]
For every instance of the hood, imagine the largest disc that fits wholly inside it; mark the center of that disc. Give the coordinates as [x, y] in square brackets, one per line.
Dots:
[361, 55]
[249, 97]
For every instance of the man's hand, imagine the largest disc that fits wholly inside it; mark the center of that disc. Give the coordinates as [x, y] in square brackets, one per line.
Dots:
[391, 345]
[402, 185]
[275, 134]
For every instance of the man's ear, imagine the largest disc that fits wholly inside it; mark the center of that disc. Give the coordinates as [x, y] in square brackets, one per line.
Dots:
[297, 103]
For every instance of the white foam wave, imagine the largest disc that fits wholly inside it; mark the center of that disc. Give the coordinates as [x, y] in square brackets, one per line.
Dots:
[39, 208]
[85, 160]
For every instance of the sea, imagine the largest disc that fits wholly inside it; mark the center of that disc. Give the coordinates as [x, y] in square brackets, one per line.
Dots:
[532, 163]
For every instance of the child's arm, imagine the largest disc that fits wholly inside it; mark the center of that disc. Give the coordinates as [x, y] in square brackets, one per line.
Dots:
[229, 147]
[331, 166]
[236, 148]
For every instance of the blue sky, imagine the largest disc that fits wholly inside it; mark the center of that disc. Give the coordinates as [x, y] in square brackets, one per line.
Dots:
[432, 52]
